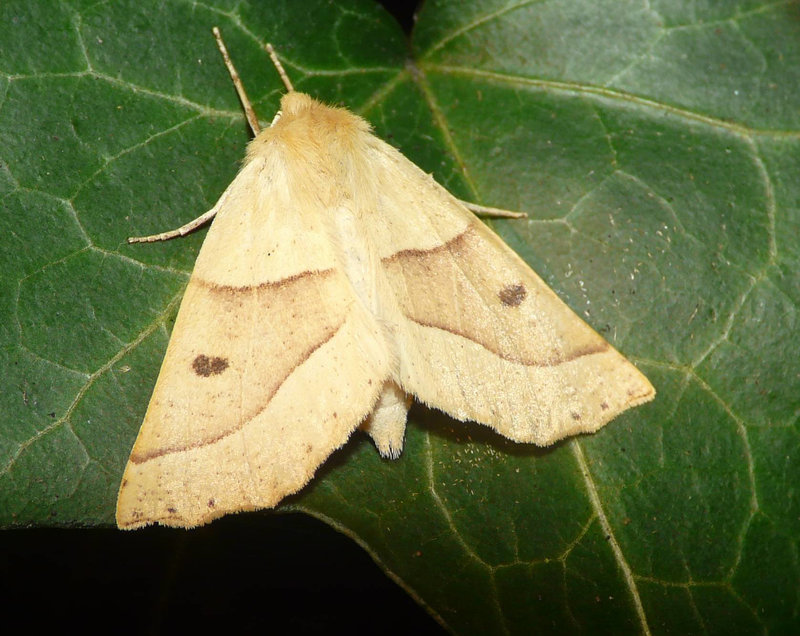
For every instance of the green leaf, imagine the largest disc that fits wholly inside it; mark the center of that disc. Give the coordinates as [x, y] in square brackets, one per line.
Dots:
[655, 148]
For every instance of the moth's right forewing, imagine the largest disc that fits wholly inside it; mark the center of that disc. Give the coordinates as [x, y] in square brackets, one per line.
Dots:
[265, 373]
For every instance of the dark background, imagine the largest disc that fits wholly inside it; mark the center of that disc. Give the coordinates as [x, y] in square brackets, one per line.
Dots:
[262, 573]
[252, 573]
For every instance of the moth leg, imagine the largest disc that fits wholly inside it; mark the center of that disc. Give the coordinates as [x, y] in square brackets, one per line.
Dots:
[483, 210]
[196, 223]
[252, 120]
[183, 230]
[386, 425]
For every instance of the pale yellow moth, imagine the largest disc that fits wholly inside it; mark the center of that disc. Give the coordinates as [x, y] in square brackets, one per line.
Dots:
[337, 281]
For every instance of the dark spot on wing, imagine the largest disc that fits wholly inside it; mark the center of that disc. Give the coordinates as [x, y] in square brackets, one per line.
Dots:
[512, 295]
[206, 366]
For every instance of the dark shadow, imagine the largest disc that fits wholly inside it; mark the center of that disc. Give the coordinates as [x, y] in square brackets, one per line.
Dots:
[403, 11]
[442, 426]
[254, 573]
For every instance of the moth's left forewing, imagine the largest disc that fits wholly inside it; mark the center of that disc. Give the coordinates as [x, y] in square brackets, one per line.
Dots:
[480, 335]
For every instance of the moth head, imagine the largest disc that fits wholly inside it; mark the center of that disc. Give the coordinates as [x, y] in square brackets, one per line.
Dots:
[294, 103]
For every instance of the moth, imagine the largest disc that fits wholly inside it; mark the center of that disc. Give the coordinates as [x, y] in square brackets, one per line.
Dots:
[337, 281]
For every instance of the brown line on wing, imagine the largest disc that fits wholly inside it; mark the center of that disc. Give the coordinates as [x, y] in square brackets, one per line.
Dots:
[552, 361]
[474, 288]
[140, 458]
[454, 244]
[283, 282]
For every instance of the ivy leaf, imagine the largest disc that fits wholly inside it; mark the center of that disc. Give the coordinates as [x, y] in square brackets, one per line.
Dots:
[655, 148]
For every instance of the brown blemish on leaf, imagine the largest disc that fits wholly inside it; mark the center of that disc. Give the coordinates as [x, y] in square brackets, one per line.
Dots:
[512, 295]
[206, 366]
